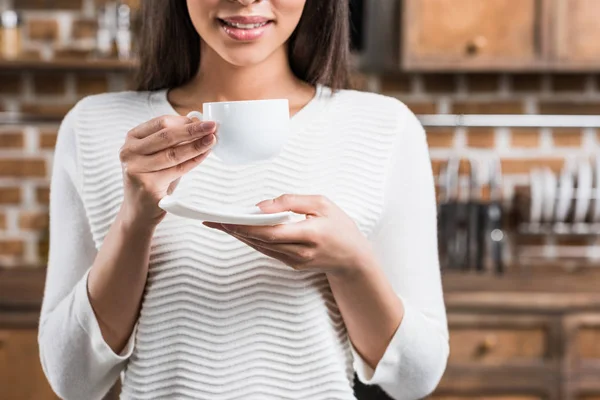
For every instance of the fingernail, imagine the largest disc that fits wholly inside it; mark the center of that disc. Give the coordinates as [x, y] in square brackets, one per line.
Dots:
[208, 139]
[208, 125]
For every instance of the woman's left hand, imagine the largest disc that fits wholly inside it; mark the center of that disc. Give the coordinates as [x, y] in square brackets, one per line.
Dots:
[327, 241]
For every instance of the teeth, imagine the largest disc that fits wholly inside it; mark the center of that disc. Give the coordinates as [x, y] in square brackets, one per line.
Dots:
[244, 26]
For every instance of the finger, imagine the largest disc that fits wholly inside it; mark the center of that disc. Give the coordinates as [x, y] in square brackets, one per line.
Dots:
[266, 251]
[170, 137]
[178, 171]
[174, 155]
[284, 233]
[297, 252]
[287, 255]
[294, 250]
[301, 204]
[158, 124]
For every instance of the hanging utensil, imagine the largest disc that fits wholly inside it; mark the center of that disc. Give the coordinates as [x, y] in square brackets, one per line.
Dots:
[476, 207]
[495, 235]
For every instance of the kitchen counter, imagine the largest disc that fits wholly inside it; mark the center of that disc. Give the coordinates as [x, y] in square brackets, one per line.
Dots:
[550, 291]
[21, 291]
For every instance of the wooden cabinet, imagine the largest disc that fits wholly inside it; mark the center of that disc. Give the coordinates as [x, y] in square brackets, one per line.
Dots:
[498, 341]
[577, 32]
[499, 35]
[461, 33]
[501, 357]
[582, 356]
[587, 343]
[21, 375]
[521, 338]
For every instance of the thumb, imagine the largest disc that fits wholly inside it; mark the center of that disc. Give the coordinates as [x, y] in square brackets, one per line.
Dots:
[300, 204]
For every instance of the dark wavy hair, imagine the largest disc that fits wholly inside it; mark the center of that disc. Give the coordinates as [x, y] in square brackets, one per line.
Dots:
[318, 50]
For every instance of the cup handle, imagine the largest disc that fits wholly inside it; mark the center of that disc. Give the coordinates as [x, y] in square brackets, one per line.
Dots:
[195, 114]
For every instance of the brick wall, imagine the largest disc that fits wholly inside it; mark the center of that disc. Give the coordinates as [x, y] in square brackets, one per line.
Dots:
[520, 148]
[60, 29]
[67, 27]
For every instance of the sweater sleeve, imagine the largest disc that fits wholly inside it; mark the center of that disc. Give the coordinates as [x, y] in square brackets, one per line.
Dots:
[406, 247]
[77, 361]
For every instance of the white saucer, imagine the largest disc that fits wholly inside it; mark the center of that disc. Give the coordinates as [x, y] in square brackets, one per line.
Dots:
[225, 215]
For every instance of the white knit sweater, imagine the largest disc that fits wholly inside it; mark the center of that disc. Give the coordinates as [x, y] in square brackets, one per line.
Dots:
[218, 319]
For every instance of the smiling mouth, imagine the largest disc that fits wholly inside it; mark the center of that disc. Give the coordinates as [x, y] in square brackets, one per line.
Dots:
[239, 25]
[245, 28]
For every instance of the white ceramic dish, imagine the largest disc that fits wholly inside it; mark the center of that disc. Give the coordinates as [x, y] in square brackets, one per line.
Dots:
[550, 189]
[596, 216]
[565, 194]
[585, 180]
[225, 215]
[537, 195]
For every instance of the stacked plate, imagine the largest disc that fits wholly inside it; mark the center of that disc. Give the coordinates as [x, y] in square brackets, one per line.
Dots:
[573, 196]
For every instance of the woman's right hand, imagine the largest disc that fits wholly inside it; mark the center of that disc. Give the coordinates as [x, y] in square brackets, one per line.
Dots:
[156, 154]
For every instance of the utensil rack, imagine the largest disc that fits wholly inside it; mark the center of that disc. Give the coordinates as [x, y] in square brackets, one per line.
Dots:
[566, 244]
[575, 244]
[559, 228]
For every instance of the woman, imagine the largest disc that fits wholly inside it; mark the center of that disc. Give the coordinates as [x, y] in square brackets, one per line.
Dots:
[186, 310]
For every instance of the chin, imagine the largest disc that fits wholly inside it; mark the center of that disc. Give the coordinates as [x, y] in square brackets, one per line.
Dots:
[245, 57]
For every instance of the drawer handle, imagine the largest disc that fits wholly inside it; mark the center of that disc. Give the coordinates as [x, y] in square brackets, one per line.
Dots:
[488, 344]
[476, 45]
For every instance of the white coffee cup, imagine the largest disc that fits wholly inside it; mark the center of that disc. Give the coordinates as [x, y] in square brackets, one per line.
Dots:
[248, 131]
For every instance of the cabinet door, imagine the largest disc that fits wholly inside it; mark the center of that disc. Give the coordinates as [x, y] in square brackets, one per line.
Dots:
[472, 34]
[582, 356]
[21, 375]
[577, 32]
[500, 341]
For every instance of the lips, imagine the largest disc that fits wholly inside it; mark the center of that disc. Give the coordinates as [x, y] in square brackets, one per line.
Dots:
[245, 28]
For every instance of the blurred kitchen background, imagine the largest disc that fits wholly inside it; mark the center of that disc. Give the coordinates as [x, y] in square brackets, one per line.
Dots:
[509, 94]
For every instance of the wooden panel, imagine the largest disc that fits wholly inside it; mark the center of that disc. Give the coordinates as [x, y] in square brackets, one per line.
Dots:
[21, 375]
[463, 32]
[550, 289]
[588, 342]
[500, 340]
[497, 345]
[538, 382]
[582, 336]
[581, 362]
[578, 30]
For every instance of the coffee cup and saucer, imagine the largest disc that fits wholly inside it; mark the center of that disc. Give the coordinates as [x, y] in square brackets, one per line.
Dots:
[248, 132]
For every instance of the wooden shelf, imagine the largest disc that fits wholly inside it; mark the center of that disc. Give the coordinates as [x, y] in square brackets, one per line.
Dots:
[72, 64]
[7, 118]
[551, 291]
